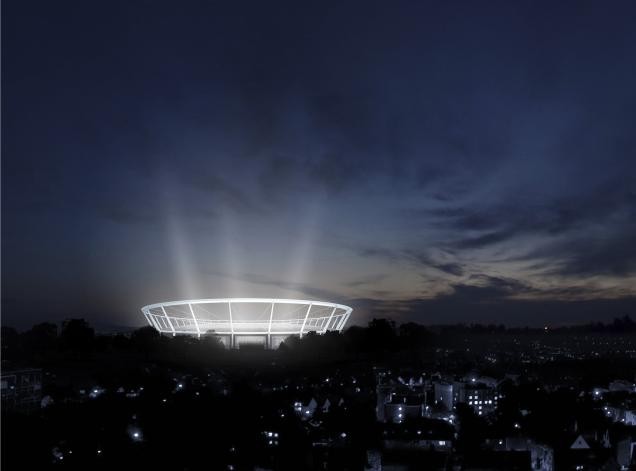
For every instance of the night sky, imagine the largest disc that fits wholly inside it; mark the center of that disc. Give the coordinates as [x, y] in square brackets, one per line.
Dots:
[438, 162]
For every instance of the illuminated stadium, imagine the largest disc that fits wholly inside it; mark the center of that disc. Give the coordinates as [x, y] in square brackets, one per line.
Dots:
[244, 321]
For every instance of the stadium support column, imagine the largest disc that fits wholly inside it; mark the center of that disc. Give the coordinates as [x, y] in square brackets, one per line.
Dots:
[196, 324]
[344, 319]
[329, 320]
[269, 328]
[229, 307]
[147, 316]
[305, 321]
[154, 321]
[168, 319]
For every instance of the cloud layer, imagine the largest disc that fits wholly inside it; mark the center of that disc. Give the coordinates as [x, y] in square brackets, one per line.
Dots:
[477, 161]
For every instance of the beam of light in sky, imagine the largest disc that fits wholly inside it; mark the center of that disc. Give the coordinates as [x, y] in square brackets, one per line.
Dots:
[180, 244]
[302, 256]
[229, 249]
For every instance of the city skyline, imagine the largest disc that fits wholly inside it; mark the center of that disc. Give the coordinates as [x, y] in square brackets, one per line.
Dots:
[428, 162]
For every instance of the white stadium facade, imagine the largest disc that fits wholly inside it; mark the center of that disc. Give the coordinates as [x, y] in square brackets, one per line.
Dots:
[245, 321]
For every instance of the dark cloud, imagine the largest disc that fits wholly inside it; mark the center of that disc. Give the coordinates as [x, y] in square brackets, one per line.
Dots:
[583, 235]
[492, 286]
[496, 300]
[425, 259]
[122, 214]
[413, 256]
[483, 240]
[443, 139]
[493, 299]
[314, 292]
[224, 194]
[473, 309]
[450, 268]
[615, 256]
[611, 253]
[367, 280]
[283, 177]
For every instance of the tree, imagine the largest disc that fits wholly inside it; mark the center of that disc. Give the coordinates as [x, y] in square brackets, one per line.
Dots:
[381, 335]
[211, 341]
[623, 325]
[77, 335]
[41, 337]
[414, 336]
[145, 338]
[10, 342]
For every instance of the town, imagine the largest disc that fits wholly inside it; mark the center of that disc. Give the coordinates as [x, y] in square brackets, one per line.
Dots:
[376, 397]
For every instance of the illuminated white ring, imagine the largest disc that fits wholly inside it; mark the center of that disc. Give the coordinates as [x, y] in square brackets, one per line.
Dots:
[200, 316]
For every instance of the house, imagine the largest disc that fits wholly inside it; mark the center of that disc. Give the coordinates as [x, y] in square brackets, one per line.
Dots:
[21, 390]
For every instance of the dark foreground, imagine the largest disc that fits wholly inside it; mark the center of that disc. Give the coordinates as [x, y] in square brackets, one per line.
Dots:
[381, 397]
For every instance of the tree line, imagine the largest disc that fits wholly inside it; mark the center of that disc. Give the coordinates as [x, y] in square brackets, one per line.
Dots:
[380, 336]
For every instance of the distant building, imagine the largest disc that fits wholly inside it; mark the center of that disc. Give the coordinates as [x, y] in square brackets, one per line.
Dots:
[624, 415]
[625, 453]
[21, 389]
[482, 398]
[444, 394]
[404, 406]
[620, 385]
[306, 411]
[541, 457]
[400, 400]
